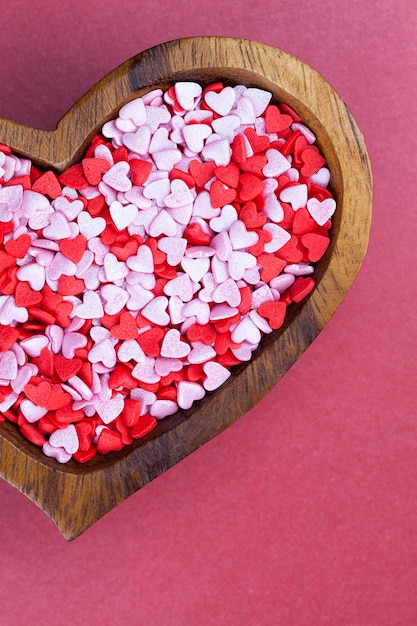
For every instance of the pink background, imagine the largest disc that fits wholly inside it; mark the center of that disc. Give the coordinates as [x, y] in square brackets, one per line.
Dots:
[304, 513]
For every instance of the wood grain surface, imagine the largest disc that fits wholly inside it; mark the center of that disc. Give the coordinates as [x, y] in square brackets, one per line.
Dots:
[75, 496]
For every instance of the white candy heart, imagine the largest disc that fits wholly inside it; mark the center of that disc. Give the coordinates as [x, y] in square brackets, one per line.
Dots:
[91, 306]
[166, 159]
[123, 215]
[280, 237]
[130, 350]
[37, 208]
[66, 438]
[10, 201]
[187, 93]
[195, 135]
[172, 346]
[227, 292]
[218, 151]
[225, 127]
[260, 295]
[163, 224]
[60, 454]
[9, 312]
[222, 245]
[240, 237]
[195, 268]
[58, 227]
[158, 190]
[180, 195]
[9, 400]
[103, 352]
[90, 226]
[203, 208]
[142, 261]
[198, 309]
[273, 208]
[174, 248]
[175, 307]
[116, 177]
[113, 269]
[201, 353]
[260, 99]
[225, 220]
[138, 141]
[160, 141]
[126, 126]
[182, 215]
[296, 195]
[246, 110]
[32, 412]
[216, 375]
[8, 365]
[180, 286]
[222, 102]
[321, 178]
[188, 393]
[321, 211]
[34, 274]
[71, 342]
[155, 311]
[34, 345]
[244, 353]
[239, 262]
[145, 371]
[308, 134]
[163, 408]
[108, 410]
[220, 269]
[222, 312]
[277, 163]
[58, 266]
[165, 365]
[246, 330]
[139, 297]
[135, 111]
[115, 298]
[155, 116]
[22, 377]
[70, 208]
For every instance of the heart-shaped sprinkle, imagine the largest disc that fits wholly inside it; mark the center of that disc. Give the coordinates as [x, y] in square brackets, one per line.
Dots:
[216, 375]
[123, 216]
[221, 102]
[321, 211]
[187, 94]
[66, 438]
[134, 280]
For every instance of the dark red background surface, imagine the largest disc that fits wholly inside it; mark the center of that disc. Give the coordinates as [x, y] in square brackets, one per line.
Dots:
[304, 512]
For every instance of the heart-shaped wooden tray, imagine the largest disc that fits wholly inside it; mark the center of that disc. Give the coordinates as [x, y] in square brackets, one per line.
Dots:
[75, 496]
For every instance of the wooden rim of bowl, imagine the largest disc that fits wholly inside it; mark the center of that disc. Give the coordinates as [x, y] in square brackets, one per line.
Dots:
[75, 496]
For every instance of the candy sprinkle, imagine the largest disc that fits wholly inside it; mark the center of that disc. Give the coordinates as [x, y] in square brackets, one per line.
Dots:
[133, 282]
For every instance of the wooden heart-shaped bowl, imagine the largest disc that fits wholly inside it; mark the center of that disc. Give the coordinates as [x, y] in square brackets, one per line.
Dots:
[75, 496]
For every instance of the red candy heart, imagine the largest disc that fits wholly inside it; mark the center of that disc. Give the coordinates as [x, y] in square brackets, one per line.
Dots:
[220, 194]
[48, 185]
[73, 248]
[94, 169]
[126, 328]
[274, 312]
[67, 368]
[18, 247]
[275, 121]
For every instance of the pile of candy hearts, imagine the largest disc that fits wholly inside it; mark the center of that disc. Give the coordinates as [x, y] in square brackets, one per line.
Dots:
[134, 281]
